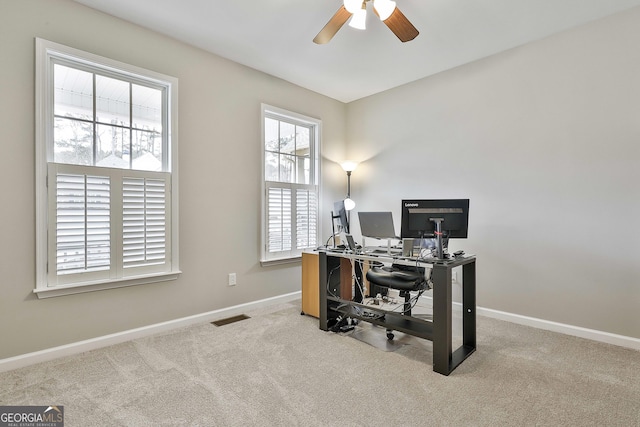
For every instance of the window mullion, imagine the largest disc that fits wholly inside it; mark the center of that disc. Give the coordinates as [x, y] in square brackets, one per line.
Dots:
[279, 151]
[130, 126]
[94, 124]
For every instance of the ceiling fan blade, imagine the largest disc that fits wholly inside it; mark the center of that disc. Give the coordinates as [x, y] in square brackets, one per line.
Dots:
[401, 27]
[335, 23]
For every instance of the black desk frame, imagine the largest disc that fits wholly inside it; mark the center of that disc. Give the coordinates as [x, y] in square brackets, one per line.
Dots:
[439, 330]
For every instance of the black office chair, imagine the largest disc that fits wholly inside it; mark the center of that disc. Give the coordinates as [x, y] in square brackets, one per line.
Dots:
[401, 277]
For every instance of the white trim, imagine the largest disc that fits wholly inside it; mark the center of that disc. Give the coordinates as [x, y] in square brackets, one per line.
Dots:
[23, 360]
[45, 52]
[267, 259]
[100, 285]
[576, 331]
[547, 325]
[28, 359]
[280, 261]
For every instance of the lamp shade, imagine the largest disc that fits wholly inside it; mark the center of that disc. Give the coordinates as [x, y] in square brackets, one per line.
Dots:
[359, 19]
[353, 6]
[349, 204]
[349, 165]
[384, 8]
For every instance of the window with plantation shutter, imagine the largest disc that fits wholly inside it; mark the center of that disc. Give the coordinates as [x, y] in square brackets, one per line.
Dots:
[105, 194]
[290, 164]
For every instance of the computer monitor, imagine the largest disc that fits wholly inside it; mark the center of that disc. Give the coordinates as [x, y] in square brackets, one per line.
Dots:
[340, 213]
[378, 225]
[424, 218]
[421, 217]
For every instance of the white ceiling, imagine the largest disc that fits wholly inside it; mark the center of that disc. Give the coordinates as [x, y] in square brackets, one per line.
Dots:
[275, 36]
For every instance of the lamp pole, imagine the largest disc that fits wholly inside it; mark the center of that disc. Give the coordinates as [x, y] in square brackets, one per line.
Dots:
[349, 166]
[349, 197]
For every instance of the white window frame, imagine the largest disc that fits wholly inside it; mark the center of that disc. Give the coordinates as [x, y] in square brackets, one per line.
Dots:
[294, 254]
[46, 284]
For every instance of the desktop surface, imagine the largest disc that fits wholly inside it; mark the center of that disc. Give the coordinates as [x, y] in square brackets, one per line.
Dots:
[384, 254]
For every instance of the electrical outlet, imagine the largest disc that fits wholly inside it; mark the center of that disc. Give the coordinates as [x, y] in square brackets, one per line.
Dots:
[232, 279]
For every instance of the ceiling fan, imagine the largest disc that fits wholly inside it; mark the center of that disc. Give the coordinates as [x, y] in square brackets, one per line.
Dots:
[386, 10]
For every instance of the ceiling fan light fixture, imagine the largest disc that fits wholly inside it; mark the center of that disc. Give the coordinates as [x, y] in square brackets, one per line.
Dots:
[353, 6]
[356, 15]
[359, 19]
[384, 8]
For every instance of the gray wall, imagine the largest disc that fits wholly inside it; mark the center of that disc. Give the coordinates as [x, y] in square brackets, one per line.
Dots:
[545, 141]
[219, 143]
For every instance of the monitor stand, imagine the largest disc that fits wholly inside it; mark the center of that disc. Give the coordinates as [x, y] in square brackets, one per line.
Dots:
[439, 249]
[388, 245]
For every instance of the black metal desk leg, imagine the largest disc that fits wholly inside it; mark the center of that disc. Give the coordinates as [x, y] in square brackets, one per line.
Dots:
[357, 269]
[469, 305]
[322, 288]
[441, 277]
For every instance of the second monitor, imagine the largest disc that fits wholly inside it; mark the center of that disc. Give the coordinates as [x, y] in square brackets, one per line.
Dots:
[378, 225]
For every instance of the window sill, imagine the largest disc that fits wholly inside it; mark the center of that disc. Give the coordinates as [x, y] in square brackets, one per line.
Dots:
[78, 288]
[280, 261]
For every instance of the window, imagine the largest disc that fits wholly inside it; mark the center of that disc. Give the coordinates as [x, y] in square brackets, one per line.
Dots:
[106, 205]
[291, 175]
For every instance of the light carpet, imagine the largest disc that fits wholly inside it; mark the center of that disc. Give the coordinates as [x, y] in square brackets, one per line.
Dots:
[278, 369]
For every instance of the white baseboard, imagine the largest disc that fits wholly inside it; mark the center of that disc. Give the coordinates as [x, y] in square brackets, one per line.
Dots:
[120, 337]
[576, 331]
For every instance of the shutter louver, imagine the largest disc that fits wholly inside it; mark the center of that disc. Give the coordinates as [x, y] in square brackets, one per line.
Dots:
[144, 230]
[306, 215]
[279, 217]
[82, 223]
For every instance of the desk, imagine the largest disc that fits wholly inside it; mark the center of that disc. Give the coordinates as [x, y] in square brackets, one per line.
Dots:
[439, 330]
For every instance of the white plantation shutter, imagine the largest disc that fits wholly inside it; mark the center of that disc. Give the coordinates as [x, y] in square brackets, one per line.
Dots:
[279, 219]
[82, 223]
[144, 222]
[307, 218]
[88, 209]
[286, 202]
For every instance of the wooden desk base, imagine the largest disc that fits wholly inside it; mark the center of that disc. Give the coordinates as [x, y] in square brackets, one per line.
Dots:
[311, 288]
